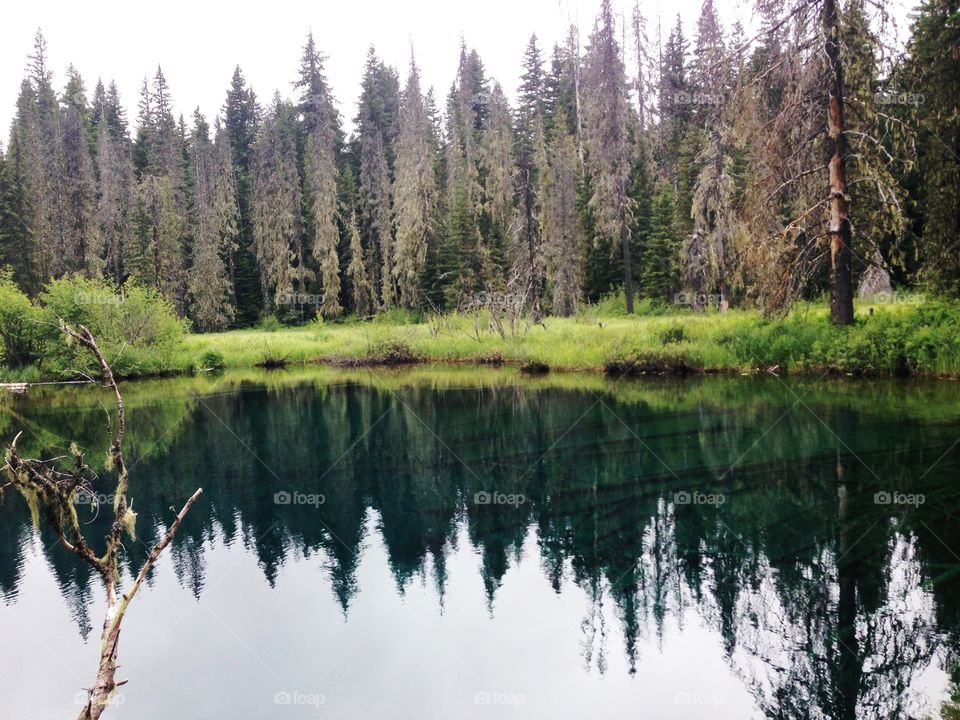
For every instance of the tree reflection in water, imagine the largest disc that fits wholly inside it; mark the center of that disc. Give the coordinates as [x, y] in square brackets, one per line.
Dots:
[719, 498]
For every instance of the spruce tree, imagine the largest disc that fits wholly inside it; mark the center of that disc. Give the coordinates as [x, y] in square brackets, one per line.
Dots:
[240, 121]
[377, 127]
[214, 219]
[364, 302]
[607, 141]
[321, 142]
[414, 188]
[278, 228]
[80, 250]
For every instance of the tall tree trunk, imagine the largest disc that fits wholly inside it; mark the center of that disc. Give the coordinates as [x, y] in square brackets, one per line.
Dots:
[841, 281]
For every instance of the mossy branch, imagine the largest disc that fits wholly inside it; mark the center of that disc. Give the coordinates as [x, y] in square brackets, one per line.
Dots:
[52, 489]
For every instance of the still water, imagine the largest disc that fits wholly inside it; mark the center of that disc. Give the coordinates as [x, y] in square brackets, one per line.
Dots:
[462, 543]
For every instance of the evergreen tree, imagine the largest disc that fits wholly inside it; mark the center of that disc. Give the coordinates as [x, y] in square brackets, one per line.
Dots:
[320, 130]
[240, 119]
[933, 74]
[81, 250]
[115, 181]
[660, 267]
[495, 158]
[364, 301]
[608, 148]
[377, 125]
[560, 222]
[527, 262]
[214, 216]
[278, 230]
[414, 187]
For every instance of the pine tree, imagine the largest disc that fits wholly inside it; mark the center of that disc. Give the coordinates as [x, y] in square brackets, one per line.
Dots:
[320, 130]
[560, 222]
[608, 147]
[705, 256]
[156, 257]
[377, 127]
[240, 120]
[414, 188]
[934, 75]
[660, 267]
[214, 217]
[364, 301]
[81, 248]
[527, 262]
[496, 168]
[467, 107]
[277, 208]
[115, 183]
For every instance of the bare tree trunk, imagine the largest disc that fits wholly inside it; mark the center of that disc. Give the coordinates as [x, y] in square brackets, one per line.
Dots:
[57, 488]
[106, 683]
[841, 282]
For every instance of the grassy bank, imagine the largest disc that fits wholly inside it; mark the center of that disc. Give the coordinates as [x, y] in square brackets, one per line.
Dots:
[886, 340]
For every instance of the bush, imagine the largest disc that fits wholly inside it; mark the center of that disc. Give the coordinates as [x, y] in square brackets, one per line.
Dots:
[269, 323]
[21, 329]
[211, 361]
[138, 331]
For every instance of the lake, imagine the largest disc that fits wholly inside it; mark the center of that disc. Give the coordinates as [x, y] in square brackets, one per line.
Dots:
[473, 543]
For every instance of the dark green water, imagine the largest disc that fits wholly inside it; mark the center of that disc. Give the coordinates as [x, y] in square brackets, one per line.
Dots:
[470, 544]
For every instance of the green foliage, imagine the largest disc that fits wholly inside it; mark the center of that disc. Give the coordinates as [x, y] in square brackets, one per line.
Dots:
[20, 330]
[269, 323]
[138, 331]
[211, 361]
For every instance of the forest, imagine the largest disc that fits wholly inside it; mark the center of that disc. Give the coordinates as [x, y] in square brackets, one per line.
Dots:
[699, 167]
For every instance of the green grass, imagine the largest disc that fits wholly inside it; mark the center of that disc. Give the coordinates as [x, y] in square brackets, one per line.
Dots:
[893, 339]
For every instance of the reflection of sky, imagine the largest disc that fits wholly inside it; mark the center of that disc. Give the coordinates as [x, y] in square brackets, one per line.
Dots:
[398, 656]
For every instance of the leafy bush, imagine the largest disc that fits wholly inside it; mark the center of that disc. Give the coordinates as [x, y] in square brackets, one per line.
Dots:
[21, 331]
[269, 323]
[211, 361]
[138, 330]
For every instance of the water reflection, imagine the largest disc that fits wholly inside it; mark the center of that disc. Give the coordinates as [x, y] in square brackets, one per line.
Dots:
[730, 503]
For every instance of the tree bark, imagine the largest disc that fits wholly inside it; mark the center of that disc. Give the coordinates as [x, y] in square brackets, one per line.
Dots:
[841, 280]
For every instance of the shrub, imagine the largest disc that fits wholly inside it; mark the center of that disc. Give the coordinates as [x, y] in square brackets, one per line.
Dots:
[137, 329]
[211, 361]
[269, 323]
[21, 329]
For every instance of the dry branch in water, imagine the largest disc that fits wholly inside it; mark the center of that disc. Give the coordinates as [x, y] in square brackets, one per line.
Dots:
[54, 490]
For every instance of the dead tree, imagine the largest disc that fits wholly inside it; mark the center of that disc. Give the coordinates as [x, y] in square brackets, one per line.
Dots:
[54, 488]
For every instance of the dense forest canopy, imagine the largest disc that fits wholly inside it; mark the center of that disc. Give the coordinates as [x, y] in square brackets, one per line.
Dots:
[698, 166]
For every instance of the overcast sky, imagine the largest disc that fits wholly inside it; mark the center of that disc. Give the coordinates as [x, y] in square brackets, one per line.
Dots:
[198, 43]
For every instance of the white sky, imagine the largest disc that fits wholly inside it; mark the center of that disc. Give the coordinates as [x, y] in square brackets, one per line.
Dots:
[198, 43]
